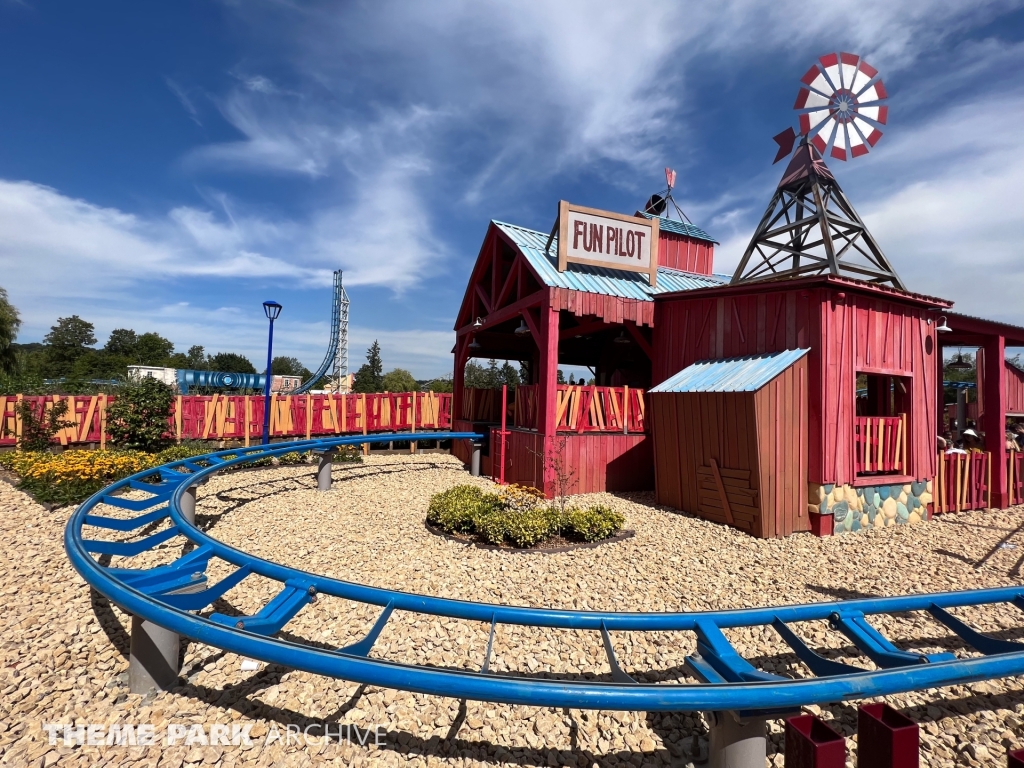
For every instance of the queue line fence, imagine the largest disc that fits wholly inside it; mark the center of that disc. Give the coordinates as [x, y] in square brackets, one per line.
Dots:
[240, 417]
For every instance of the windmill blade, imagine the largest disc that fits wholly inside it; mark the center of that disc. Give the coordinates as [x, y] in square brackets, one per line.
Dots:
[865, 74]
[811, 121]
[816, 81]
[808, 99]
[874, 92]
[830, 65]
[839, 144]
[858, 144]
[848, 69]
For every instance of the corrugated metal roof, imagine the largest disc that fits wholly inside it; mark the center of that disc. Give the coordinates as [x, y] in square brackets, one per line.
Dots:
[610, 282]
[737, 374]
[681, 228]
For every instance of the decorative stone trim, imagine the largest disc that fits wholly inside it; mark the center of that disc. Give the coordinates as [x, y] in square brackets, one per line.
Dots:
[873, 506]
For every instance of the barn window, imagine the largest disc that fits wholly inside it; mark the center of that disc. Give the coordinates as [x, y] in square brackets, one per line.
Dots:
[881, 424]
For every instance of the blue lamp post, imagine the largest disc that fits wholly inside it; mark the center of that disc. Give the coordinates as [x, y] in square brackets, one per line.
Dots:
[272, 310]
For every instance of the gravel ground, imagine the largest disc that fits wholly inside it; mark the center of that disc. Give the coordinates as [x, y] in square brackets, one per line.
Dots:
[64, 651]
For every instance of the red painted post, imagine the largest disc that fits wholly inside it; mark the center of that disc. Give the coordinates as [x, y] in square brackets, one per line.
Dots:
[1015, 759]
[811, 743]
[504, 432]
[993, 382]
[886, 738]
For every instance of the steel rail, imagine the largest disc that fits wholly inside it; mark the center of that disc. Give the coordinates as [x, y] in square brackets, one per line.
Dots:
[729, 682]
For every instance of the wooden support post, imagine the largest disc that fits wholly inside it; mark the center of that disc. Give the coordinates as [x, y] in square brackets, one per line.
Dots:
[177, 419]
[17, 421]
[248, 419]
[309, 415]
[103, 422]
[412, 445]
[366, 446]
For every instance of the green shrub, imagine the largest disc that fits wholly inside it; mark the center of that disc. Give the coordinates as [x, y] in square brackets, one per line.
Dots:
[593, 523]
[524, 529]
[40, 425]
[137, 419]
[517, 516]
[455, 510]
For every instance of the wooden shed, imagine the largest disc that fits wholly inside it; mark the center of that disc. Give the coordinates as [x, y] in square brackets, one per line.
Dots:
[730, 441]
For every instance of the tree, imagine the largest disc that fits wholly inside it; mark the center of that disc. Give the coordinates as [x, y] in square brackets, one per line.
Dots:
[229, 362]
[442, 384]
[399, 380]
[153, 349]
[196, 358]
[370, 376]
[68, 340]
[123, 342]
[509, 376]
[475, 376]
[10, 322]
[561, 376]
[289, 366]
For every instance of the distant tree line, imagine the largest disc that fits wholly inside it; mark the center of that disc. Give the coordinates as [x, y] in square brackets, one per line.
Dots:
[69, 354]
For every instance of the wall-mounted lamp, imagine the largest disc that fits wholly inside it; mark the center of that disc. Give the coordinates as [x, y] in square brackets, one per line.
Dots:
[943, 328]
[478, 323]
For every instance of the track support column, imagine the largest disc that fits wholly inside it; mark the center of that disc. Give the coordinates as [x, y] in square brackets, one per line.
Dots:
[735, 742]
[188, 503]
[323, 471]
[153, 660]
[474, 464]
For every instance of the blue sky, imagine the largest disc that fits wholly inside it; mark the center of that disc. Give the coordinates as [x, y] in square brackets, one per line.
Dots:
[168, 166]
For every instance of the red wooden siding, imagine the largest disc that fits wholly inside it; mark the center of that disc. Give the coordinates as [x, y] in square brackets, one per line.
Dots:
[685, 253]
[1014, 390]
[846, 330]
[611, 309]
[963, 481]
[756, 440]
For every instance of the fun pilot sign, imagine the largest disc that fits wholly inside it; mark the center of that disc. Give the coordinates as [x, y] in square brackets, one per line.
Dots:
[606, 239]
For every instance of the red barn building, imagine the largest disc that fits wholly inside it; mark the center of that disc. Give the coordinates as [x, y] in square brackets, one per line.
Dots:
[638, 308]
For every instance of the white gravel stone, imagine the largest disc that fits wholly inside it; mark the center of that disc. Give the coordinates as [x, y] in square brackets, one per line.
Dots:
[64, 651]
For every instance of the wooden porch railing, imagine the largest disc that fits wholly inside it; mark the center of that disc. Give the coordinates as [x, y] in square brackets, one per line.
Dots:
[585, 408]
[1015, 477]
[881, 444]
[240, 417]
[963, 481]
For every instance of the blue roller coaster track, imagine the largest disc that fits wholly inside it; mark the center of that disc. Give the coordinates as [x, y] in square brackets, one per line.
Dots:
[177, 596]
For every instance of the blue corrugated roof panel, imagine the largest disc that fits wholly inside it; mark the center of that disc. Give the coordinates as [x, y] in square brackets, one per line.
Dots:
[610, 282]
[681, 228]
[737, 374]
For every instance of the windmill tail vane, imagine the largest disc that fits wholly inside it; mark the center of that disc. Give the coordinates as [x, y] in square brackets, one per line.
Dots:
[841, 106]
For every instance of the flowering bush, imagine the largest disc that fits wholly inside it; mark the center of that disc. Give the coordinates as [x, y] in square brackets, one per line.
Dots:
[72, 476]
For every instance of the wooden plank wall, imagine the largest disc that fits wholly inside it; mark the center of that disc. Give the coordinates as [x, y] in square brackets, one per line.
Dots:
[755, 441]
[782, 437]
[611, 309]
[685, 253]
[1014, 389]
[844, 333]
[596, 462]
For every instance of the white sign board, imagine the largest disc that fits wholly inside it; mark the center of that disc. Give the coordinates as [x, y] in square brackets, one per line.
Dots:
[605, 239]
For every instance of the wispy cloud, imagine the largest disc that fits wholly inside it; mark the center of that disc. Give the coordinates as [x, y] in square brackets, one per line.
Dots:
[185, 100]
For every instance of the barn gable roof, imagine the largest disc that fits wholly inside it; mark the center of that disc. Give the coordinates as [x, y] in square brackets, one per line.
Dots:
[610, 282]
[737, 374]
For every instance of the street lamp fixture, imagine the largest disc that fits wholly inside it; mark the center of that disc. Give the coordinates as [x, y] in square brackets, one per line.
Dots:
[272, 309]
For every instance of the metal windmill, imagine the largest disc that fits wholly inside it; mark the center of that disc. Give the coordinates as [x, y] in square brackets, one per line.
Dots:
[810, 227]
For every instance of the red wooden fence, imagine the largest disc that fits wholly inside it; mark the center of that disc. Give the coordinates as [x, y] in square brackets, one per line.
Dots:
[1015, 477]
[963, 481]
[881, 444]
[585, 409]
[240, 417]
